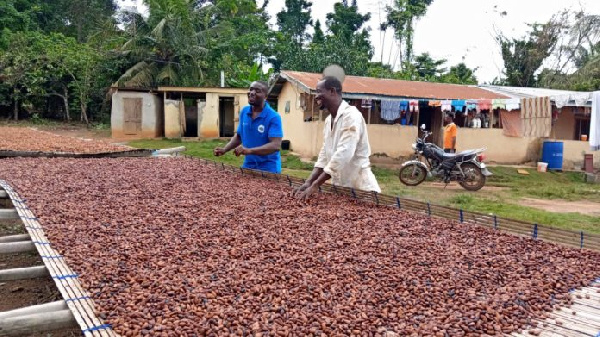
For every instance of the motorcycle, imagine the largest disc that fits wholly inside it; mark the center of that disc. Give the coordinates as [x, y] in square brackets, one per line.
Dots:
[466, 167]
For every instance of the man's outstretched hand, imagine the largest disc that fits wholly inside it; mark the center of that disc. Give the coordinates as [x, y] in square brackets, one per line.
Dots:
[219, 151]
[241, 150]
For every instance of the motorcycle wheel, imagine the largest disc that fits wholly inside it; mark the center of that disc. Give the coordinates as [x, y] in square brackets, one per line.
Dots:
[473, 179]
[412, 175]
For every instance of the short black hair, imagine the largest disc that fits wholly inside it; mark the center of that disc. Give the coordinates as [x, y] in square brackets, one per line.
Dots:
[332, 82]
[263, 84]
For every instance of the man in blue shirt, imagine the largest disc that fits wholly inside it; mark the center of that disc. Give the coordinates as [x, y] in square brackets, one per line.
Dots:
[259, 133]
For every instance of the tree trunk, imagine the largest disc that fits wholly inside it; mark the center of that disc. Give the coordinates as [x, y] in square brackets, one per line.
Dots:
[84, 116]
[65, 98]
[16, 110]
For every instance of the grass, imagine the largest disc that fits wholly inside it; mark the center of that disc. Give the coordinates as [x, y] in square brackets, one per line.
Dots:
[502, 201]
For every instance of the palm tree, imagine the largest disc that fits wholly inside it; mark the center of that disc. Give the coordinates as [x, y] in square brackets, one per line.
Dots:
[166, 47]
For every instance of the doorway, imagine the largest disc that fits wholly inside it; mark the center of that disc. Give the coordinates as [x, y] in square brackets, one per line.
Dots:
[191, 118]
[132, 116]
[226, 116]
[432, 117]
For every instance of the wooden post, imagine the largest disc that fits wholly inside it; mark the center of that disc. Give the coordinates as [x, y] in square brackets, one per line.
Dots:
[9, 214]
[35, 309]
[14, 238]
[33, 324]
[23, 273]
[16, 247]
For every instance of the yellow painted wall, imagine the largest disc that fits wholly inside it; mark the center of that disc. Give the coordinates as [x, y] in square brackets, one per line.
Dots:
[172, 119]
[573, 151]
[209, 128]
[564, 128]
[392, 140]
[500, 148]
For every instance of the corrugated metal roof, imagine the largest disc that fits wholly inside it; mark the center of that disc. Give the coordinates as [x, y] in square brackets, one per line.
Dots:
[559, 97]
[358, 87]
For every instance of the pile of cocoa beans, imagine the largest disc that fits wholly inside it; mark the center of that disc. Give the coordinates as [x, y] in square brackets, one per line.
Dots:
[174, 247]
[28, 139]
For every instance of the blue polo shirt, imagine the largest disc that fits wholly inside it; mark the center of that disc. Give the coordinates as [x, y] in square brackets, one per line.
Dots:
[256, 133]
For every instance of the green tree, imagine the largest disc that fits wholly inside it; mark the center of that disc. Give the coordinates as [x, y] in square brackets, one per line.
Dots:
[318, 35]
[459, 74]
[401, 16]
[165, 48]
[523, 57]
[294, 19]
[425, 68]
[236, 36]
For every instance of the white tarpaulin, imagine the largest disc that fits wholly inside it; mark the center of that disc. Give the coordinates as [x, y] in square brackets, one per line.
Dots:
[595, 122]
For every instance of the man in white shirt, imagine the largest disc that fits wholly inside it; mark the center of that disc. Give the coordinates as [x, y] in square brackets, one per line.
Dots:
[344, 157]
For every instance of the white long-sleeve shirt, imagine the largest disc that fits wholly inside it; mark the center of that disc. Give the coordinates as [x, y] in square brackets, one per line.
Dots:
[345, 152]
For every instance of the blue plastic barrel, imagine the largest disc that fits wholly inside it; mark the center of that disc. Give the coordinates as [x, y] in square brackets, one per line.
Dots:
[552, 153]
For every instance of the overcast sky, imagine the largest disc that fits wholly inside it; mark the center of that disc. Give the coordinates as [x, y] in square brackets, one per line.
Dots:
[456, 30]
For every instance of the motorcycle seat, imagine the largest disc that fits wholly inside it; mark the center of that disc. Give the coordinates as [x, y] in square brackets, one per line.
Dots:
[466, 153]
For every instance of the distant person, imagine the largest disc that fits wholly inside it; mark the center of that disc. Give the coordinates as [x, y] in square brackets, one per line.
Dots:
[344, 156]
[476, 122]
[259, 133]
[449, 134]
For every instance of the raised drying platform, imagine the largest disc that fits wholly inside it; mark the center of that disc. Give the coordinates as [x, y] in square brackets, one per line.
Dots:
[40, 154]
[76, 298]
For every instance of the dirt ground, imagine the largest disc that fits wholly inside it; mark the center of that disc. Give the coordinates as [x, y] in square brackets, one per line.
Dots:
[563, 206]
[23, 293]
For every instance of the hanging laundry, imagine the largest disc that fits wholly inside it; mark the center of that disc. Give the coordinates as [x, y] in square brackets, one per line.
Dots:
[413, 105]
[499, 104]
[458, 104]
[484, 104]
[390, 109]
[403, 105]
[446, 105]
[471, 104]
[435, 103]
[513, 104]
[367, 103]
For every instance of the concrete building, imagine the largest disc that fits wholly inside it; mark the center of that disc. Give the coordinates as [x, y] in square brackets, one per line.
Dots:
[542, 114]
[176, 112]
[303, 121]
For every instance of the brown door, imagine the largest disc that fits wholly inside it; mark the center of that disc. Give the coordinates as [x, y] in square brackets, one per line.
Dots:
[132, 116]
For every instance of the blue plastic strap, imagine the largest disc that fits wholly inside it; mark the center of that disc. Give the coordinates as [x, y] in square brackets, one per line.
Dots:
[429, 209]
[535, 231]
[41, 243]
[289, 180]
[461, 215]
[32, 227]
[77, 299]
[398, 203]
[64, 277]
[51, 256]
[495, 222]
[353, 194]
[96, 328]
[581, 242]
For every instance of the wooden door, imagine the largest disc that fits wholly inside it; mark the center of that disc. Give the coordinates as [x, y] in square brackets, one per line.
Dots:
[132, 116]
